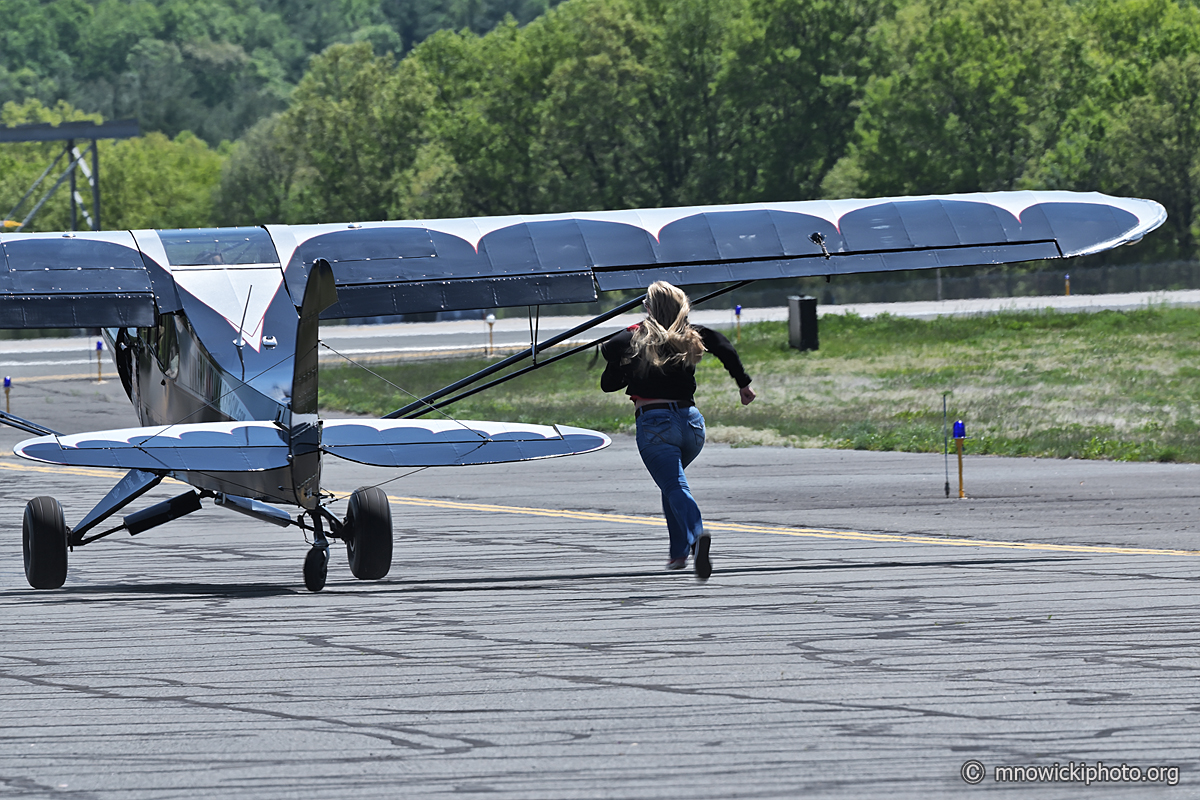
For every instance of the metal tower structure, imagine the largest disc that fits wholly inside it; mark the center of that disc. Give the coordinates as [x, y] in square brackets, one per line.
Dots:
[76, 161]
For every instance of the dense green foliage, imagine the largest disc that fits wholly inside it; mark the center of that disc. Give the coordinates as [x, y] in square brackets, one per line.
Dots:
[1105, 385]
[624, 103]
[1020, 94]
[212, 67]
[596, 104]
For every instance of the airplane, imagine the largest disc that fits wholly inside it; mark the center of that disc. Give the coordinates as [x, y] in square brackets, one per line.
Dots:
[215, 333]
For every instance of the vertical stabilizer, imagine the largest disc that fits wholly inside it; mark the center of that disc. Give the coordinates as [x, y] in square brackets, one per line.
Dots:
[305, 433]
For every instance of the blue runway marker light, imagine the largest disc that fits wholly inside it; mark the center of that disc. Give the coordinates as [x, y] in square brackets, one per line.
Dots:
[960, 433]
[99, 346]
[7, 382]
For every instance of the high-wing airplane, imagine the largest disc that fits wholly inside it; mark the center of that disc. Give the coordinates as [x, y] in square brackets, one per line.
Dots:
[215, 332]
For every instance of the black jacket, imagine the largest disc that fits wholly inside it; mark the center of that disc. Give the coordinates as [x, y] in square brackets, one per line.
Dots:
[675, 382]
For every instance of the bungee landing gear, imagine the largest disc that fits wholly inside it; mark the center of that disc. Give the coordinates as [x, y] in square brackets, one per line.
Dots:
[367, 532]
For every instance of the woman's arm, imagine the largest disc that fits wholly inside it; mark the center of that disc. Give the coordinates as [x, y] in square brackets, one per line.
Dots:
[716, 343]
[616, 376]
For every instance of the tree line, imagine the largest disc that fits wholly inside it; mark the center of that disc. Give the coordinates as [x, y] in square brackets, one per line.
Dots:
[626, 103]
[211, 67]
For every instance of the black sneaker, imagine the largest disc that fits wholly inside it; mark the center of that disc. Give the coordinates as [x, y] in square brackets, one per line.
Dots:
[703, 565]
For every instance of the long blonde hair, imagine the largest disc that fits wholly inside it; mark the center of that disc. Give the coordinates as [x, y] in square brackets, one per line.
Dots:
[665, 338]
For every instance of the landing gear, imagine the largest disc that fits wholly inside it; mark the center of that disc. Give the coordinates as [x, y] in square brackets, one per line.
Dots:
[316, 563]
[316, 568]
[44, 540]
[368, 534]
[367, 531]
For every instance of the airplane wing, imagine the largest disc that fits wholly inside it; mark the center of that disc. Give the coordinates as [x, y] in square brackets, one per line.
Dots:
[120, 279]
[492, 262]
[69, 280]
[221, 447]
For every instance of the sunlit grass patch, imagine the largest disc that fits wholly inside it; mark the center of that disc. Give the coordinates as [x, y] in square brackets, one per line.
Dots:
[1112, 385]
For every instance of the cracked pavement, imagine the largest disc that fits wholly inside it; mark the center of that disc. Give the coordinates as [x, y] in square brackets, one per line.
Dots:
[854, 640]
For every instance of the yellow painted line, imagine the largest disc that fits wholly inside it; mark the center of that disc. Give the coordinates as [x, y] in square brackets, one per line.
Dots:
[11, 464]
[811, 533]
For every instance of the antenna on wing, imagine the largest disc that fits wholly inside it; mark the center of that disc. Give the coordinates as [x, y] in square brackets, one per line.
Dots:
[240, 341]
[818, 239]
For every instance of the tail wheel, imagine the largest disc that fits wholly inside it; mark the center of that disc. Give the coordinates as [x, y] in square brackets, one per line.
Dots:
[368, 534]
[44, 540]
[316, 568]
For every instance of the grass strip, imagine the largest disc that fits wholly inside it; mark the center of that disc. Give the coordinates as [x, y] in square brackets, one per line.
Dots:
[1105, 385]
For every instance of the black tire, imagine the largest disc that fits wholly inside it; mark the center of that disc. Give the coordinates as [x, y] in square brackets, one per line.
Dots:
[44, 540]
[316, 568]
[368, 533]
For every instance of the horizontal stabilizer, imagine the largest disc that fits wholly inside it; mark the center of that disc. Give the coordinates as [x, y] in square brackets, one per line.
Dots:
[203, 447]
[257, 446]
[443, 443]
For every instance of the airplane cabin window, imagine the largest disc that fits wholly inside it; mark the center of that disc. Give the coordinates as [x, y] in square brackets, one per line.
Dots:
[166, 344]
[218, 246]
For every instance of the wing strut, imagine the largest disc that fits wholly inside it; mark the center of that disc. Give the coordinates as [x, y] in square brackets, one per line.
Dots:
[419, 408]
[135, 484]
[425, 401]
[25, 425]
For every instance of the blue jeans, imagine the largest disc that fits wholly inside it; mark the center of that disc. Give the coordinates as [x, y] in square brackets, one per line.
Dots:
[668, 441]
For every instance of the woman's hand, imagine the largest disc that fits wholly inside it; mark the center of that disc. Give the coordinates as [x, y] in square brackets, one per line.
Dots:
[747, 395]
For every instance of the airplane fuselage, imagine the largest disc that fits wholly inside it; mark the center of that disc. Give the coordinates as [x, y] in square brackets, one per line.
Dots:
[170, 377]
[226, 352]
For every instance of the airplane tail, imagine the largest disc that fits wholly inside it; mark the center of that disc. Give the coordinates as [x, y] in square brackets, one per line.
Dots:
[319, 294]
[305, 432]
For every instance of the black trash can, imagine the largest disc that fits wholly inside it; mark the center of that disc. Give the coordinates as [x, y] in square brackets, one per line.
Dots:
[802, 323]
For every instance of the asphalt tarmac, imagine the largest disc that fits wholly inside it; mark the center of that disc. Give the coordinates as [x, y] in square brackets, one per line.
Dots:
[862, 634]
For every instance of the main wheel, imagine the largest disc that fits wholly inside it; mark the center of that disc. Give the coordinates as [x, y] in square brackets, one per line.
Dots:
[44, 540]
[368, 533]
[316, 568]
